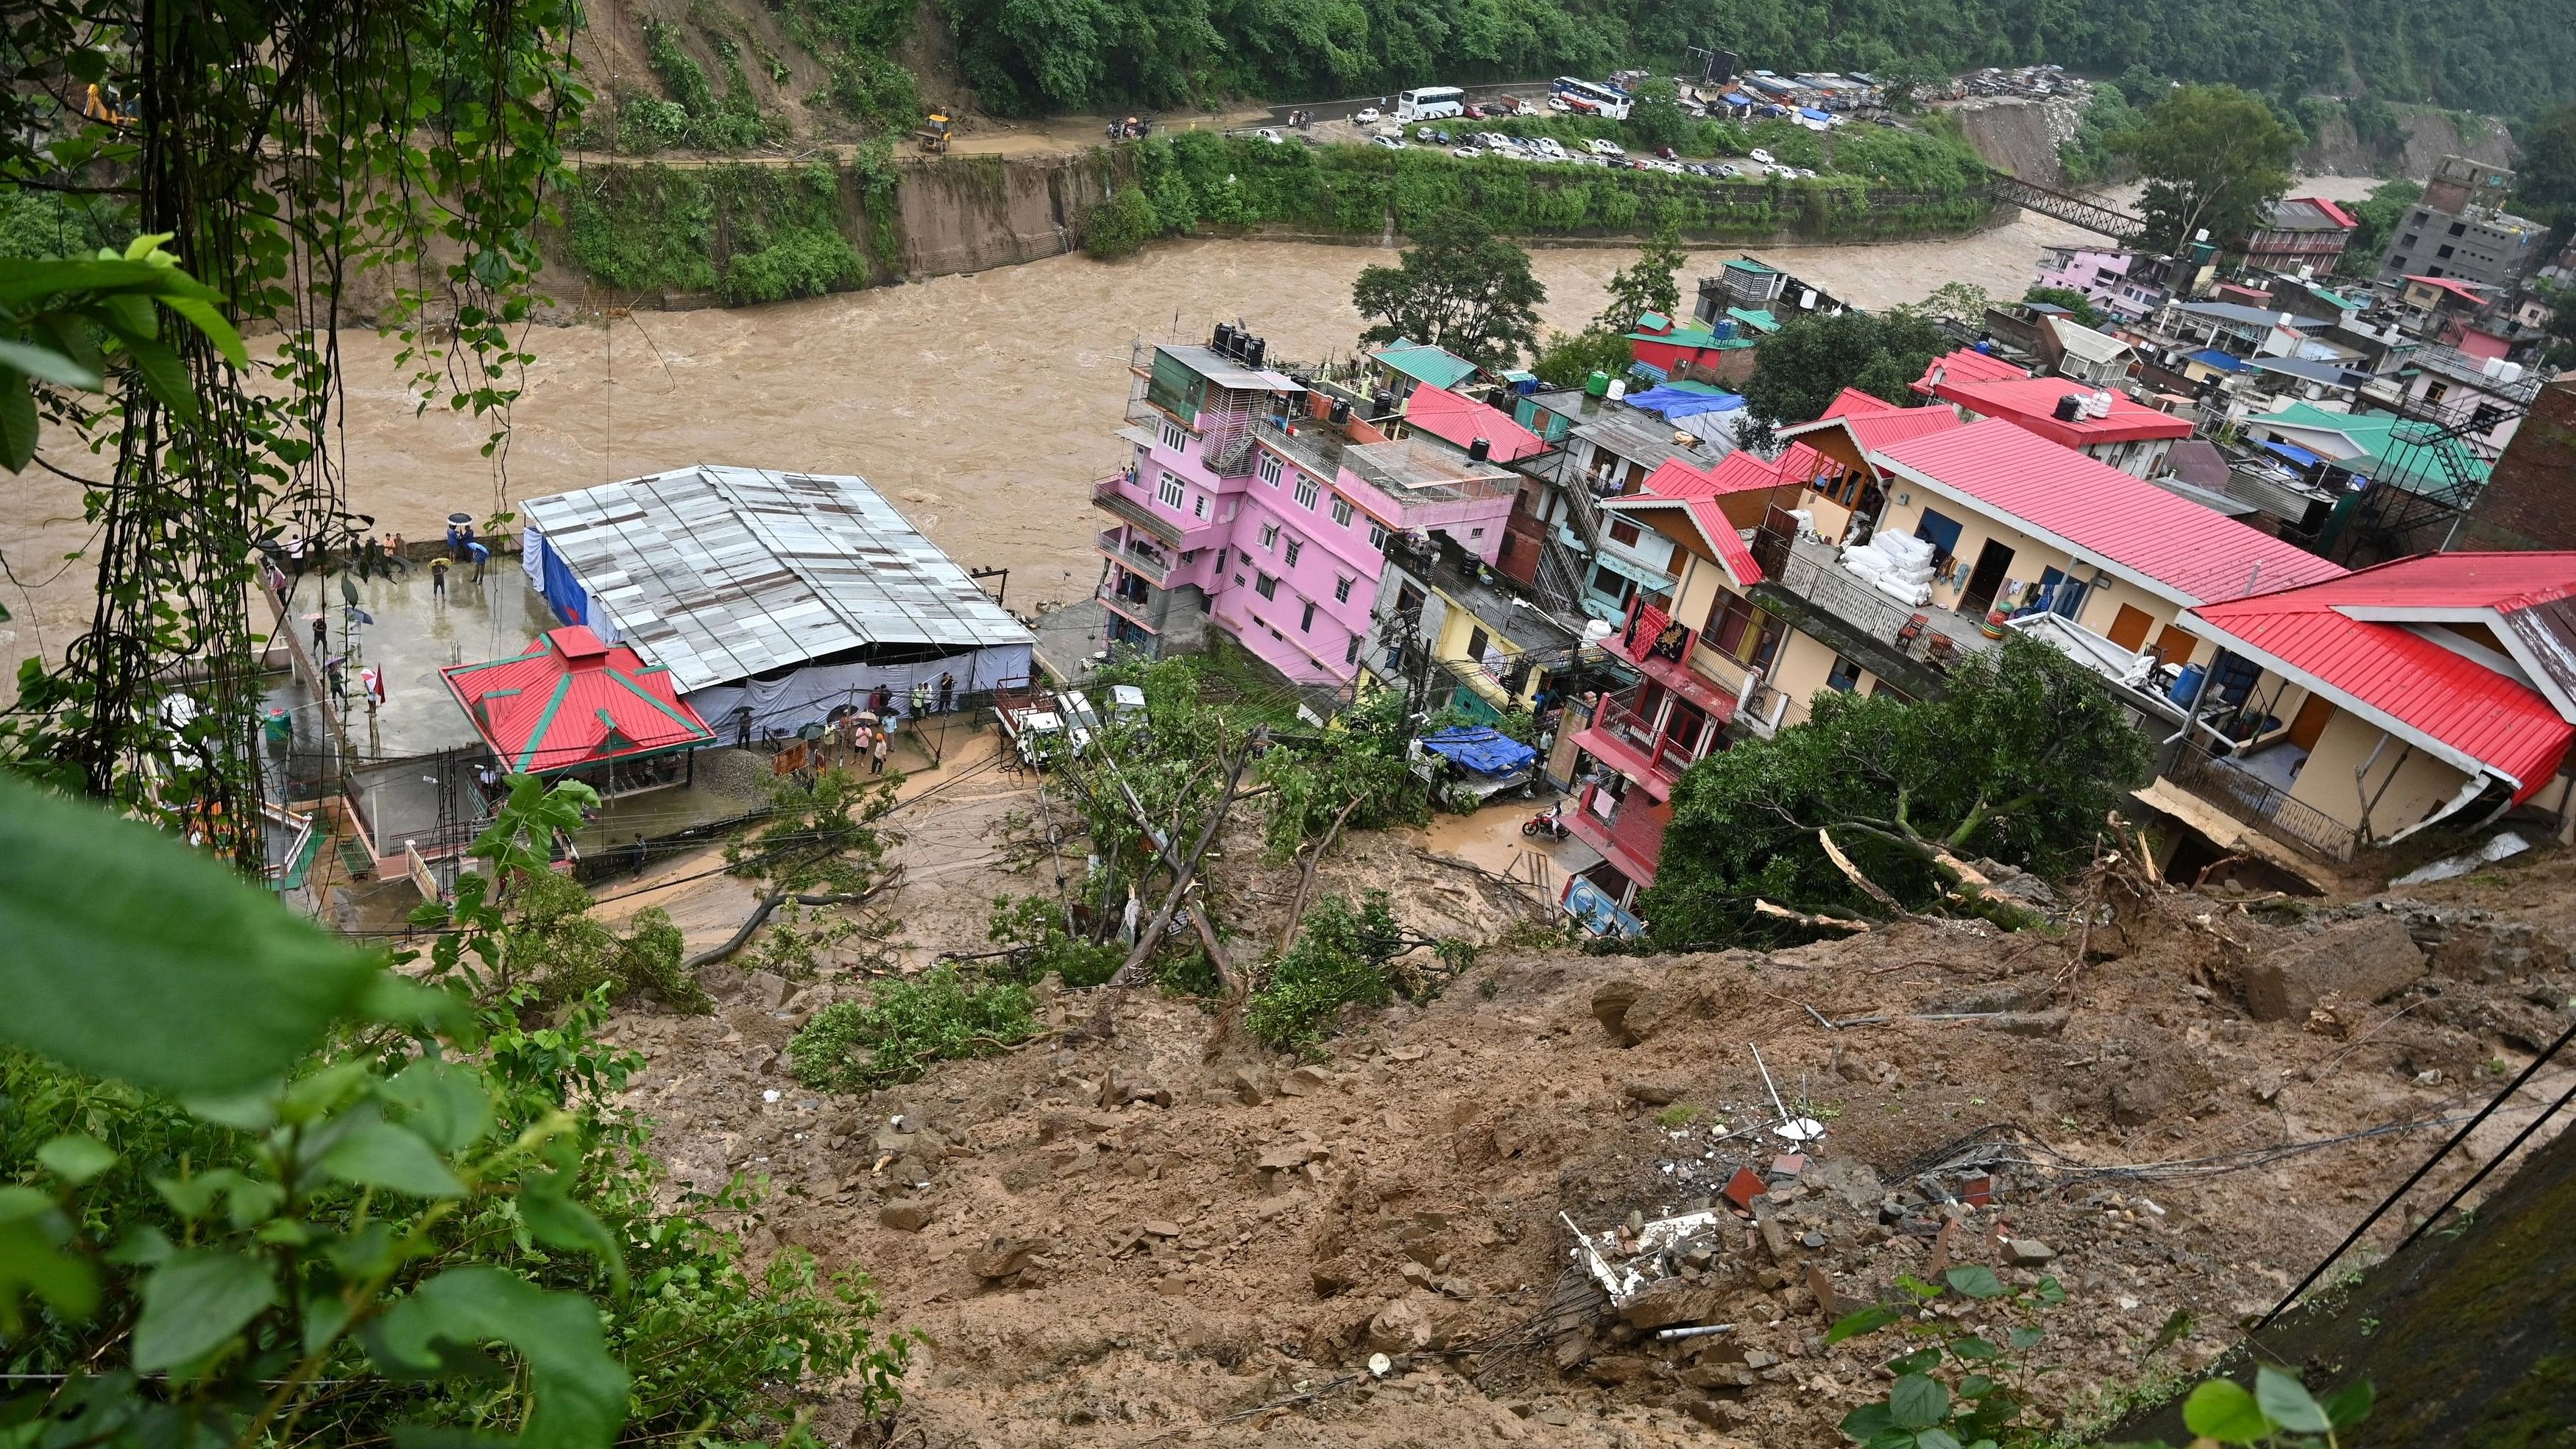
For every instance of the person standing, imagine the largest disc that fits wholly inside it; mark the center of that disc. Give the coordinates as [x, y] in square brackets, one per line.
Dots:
[438, 579]
[877, 753]
[847, 728]
[947, 693]
[481, 556]
[321, 634]
[394, 554]
[464, 543]
[452, 544]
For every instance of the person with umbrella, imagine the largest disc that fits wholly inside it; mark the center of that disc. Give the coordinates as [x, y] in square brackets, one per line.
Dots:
[321, 632]
[438, 579]
[477, 552]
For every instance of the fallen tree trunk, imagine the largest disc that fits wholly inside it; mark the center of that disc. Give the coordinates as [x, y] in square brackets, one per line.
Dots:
[771, 902]
[1102, 1023]
[1306, 878]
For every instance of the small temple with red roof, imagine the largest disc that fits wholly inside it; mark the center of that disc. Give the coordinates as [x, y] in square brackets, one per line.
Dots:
[574, 707]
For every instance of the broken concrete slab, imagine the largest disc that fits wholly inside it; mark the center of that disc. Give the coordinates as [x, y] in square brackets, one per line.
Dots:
[2361, 960]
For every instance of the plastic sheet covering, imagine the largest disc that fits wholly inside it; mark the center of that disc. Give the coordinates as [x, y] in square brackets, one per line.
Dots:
[1484, 750]
[1675, 402]
[809, 695]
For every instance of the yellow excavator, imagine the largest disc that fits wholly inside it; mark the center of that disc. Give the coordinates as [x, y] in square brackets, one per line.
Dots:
[932, 138]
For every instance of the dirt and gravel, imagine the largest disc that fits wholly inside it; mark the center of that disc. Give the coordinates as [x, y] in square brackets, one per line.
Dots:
[1168, 1235]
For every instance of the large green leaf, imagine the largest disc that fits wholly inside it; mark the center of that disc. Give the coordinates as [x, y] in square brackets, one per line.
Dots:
[1866, 1320]
[194, 1302]
[35, 1258]
[380, 1154]
[1975, 1280]
[579, 1391]
[45, 364]
[131, 956]
[1917, 1402]
[442, 1102]
[2221, 1409]
[18, 423]
[2286, 1402]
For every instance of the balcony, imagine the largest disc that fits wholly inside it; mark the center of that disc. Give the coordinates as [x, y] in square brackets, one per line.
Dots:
[1660, 648]
[1807, 585]
[1630, 835]
[1135, 556]
[2224, 782]
[1119, 497]
[1625, 740]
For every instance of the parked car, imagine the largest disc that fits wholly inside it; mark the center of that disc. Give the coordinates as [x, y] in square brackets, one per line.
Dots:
[1760, 155]
[1367, 116]
[1728, 168]
[1272, 136]
[1605, 148]
[1523, 108]
[1392, 143]
[1668, 153]
[1550, 145]
[1392, 128]
[1468, 153]
[1422, 133]
[1475, 113]
[1806, 173]
[1696, 169]
[1495, 141]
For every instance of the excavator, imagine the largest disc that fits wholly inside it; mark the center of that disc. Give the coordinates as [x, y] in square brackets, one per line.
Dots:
[932, 138]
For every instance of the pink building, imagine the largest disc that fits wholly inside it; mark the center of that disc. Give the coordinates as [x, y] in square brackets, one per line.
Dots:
[1265, 509]
[2105, 277]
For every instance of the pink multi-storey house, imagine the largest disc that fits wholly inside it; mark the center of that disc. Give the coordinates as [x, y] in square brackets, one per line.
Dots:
[1265, 509]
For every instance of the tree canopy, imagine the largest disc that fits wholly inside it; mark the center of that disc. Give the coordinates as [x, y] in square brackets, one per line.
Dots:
[2377, 216]
[1652, 285]
[2077, 305]
[2018, 761]
[1459, 288]
[2215, 159]
[1812, 358]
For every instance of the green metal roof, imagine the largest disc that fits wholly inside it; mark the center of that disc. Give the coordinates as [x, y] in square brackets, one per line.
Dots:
[1425, 363]
[1759, 321]
[1747, 264]
[2393, 449]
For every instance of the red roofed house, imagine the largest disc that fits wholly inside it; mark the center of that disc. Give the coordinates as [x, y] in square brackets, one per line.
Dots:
[2106, 426]
[1965, 365]
[1464, 421]
[2352, 711]
[2304, 231]
[1848, 487]
[574, 707]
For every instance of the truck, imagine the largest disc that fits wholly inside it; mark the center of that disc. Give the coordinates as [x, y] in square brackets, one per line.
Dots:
[1029, 724]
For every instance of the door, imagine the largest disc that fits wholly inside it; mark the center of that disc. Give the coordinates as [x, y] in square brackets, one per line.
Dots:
[1985, 578]
[2173, 646]
[2311, 721]
[2129, 629]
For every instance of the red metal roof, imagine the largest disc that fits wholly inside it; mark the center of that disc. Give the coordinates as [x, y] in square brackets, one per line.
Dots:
[1873, 422]
[572, 700]
[1463, 420]
[2468, 292]
[2336, 213]
[2032, 403]
[1966, 365]
[2101, 514]
[2399, 678]
[1737, 472]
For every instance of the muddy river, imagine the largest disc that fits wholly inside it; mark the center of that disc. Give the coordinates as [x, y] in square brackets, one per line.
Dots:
[982, 405]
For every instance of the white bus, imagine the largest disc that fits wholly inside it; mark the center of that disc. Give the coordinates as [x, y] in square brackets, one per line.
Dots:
[1430, 103]
[1591, 98]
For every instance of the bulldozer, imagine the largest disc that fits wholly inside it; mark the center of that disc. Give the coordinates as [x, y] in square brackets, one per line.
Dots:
[932, 138]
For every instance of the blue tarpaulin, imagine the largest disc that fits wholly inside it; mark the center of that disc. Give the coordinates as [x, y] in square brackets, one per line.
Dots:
[1675, 402]
[1812, 114]
[2292, 452]
[1483, 750]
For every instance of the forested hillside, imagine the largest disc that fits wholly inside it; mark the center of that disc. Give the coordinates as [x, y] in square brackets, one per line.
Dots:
[2502, 56]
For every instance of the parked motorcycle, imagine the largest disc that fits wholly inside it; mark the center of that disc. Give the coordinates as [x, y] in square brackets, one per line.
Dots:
[1549, 823]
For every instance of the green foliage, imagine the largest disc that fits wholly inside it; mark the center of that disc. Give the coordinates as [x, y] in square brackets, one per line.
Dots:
[67, 323]
[747, 233]
[2279, 1410]
[1651, 285]
[1973, 1401]
[364, 1178]
[1034, 927]
[2378, 217]
[2545, 171]
[1570, 358]
[1121, 224]
[1357, 755]
[2376, 124]
[1458, 288]
[2018, 760]
[553, 945]
[2076, 303]
[53, 224]
[1340, 958]
[2215, 159]
[894, 1037]
[731, 122]
[1811, 358]
[2090, 157]
[1656, 119]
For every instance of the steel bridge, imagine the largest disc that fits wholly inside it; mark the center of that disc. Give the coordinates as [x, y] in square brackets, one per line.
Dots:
[2091, 215]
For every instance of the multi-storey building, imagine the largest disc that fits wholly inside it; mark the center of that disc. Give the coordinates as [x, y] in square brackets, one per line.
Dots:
[2118, 282]
[1265, 509]
[2303, 231]
[2458, 230]
[2107, 426]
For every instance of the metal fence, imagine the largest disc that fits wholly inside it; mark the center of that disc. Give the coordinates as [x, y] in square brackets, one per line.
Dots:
[2261, 804]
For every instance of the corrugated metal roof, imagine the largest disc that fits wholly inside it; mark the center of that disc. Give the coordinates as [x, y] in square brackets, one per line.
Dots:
[1965, 365]
[571, 700]
[720, 573]
[1462, 421]
[1424, 362]
[2393, 670]
[2031, 402]
[2100, 513]
[1873, 422]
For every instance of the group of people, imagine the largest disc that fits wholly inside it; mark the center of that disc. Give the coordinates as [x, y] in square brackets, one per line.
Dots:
[462, 547]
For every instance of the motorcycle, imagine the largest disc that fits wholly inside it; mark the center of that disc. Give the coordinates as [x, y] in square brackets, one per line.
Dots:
[1549, 823]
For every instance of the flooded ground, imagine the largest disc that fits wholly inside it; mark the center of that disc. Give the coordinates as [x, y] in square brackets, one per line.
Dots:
[982, 405]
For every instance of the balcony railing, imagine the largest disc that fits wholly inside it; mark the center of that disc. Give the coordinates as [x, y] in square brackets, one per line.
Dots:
[1937, 637]
[2261, 804]
[1632, 837]
[1137, 558]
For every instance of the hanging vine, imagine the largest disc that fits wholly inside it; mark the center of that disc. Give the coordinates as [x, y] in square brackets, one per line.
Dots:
[287, 150]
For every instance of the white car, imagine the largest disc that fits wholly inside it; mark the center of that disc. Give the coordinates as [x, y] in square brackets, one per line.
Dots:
[1805, 174]
[1495, 141]
[1669, 168]
[1760, 155]
[1392, 143]
[1367, 116]
[1272, 136]
[1728, 168]
[1466, 153]
[1605, 148]
[1392, 128]
[1550, 145]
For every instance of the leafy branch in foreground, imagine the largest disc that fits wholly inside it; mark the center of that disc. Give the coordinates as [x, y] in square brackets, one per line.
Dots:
[272, 1192]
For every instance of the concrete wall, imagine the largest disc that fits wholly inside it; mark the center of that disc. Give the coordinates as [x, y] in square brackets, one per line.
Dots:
[1799, 670]
[2409, 784]
[2030, 559]
[967, 213]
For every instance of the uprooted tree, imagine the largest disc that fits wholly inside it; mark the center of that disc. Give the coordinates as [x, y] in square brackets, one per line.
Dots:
[1879, 807]
[819, 849]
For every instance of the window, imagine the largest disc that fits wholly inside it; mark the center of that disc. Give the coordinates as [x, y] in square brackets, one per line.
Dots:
[1306, 620]
[1168, 489]
[1270, 535]
[1625, 533]
[1198, 506]
[1269, 470]
[1611, 583]
[1306, 491]
[1220, 560]
[1476, 642]
[2459, 228]
[2409, 243]
[1377, 536]
[1174, 440]
[1264, 585]
[1728, 622]
[1341, 591]
[1845, 675]
[2444, 253]
[1351, 653]
[1341, 510]
[1296, 546]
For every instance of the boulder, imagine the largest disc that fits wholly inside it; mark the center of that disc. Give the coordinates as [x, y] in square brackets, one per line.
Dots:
[1656, 1091]
[1671, 1303]
[1404, 1325]
[2366, 959]
[905, 1215]
[1001, 1256]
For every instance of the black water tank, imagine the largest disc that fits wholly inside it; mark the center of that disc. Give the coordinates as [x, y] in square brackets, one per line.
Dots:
[1341, 410]
[1224, 338]
[1381, 404]
[1480, 450]
[2068, 406]
[1254, 349]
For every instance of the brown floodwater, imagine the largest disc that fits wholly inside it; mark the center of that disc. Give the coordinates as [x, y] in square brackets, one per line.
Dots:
[982, 405]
